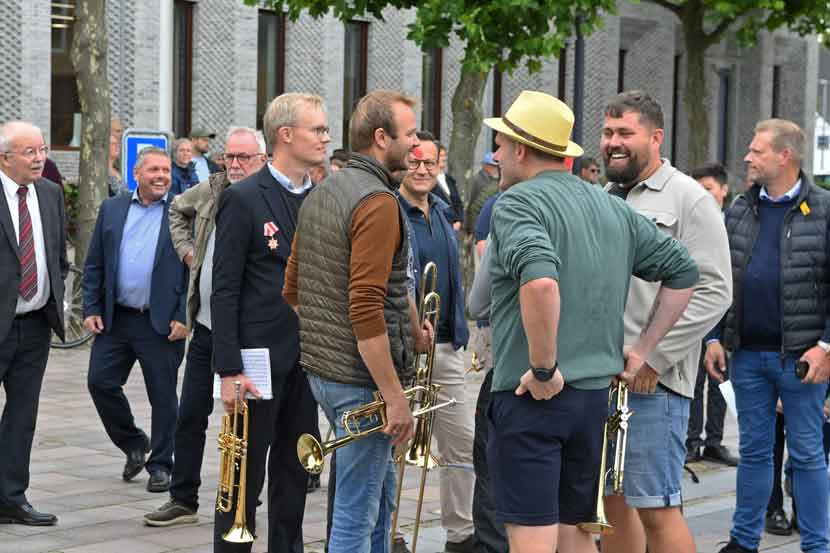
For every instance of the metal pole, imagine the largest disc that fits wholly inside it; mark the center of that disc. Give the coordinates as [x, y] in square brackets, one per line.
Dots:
[579, 88]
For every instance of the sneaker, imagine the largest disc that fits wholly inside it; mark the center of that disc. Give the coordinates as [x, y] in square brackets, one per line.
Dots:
[733, 547]
[466, 546]
[399, 546]
[776, 523]
[172, 512]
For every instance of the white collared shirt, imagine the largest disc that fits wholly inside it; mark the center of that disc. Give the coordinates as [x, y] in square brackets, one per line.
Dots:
[788, 195]
[286, 182]
[42, 294]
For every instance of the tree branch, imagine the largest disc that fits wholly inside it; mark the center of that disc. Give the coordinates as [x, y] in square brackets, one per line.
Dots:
[677, 10]
[715, 36]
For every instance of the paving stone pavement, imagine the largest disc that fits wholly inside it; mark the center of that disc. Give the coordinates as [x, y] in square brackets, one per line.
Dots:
[76, 474]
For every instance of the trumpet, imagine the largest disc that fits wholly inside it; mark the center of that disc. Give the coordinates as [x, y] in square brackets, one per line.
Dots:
[311, 453]
[616, 432]
[233, 459]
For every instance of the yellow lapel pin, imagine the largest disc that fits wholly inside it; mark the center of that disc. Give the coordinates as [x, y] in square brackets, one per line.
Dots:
[805, 209]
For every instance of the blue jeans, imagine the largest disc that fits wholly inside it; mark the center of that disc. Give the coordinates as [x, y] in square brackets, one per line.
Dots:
[364, 496]
[759, 379]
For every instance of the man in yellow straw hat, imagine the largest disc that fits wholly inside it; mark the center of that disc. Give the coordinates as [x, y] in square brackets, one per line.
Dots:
[562, 256]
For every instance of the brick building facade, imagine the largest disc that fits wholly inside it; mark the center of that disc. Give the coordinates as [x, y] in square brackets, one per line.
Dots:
[228, 59]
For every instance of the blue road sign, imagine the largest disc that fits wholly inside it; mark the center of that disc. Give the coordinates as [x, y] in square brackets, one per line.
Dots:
[133, 141]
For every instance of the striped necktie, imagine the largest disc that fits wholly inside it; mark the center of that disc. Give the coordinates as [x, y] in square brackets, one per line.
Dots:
[28, 267]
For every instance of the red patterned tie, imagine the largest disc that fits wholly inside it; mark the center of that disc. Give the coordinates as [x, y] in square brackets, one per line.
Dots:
[28, 267]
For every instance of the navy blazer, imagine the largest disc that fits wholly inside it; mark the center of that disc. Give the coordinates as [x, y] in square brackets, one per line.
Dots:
[168, 290]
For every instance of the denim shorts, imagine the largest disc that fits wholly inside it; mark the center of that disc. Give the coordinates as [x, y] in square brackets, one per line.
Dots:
[656, 449]
[544, 456]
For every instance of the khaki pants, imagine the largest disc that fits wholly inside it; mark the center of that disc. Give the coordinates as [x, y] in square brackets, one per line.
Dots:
[453, 432]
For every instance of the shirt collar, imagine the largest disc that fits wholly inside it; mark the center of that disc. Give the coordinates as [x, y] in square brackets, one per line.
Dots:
[789, 195]
[410, 207]
[286, 182]
[135, 198]
[9, 183]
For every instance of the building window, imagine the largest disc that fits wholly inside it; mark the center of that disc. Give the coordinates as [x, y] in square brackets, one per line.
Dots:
[497, 103]
[724, 97]
[355, 62]
[432, 85]
[65, 125]
[182, 66]
[563, 74]
[776, 90]
[270, 60]
[621, 70]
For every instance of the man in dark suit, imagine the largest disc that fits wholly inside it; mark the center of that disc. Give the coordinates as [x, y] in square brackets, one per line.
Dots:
[255, 225]
[135, 290]
[32, 267]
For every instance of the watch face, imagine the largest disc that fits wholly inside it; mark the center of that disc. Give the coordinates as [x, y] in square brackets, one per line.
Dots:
[543, 374]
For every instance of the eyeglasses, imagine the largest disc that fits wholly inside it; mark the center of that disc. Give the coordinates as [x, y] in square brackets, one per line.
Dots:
[429, 164]
[243, 158]
[31, 153]
[319, 131]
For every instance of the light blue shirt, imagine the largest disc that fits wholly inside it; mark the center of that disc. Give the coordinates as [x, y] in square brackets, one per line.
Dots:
[789, 195]
[286, 182]
[138, 252]
[202, 169]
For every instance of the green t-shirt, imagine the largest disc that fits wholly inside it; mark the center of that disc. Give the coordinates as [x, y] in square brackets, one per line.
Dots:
[553, 226]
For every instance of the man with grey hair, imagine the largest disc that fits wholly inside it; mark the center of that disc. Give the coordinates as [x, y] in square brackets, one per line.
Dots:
[192, 221]
[778, 331]
[255, 222]
[134, 289]
[32, 267]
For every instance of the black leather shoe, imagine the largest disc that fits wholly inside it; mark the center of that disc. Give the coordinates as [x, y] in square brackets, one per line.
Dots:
[733, 547]
[693, 455]
[25, 514]
[159, 481]
[719, 454]
[135, 460]
[776, 523]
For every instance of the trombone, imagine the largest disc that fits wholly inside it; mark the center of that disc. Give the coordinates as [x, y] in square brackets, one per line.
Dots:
[616, 432]
[233, 458]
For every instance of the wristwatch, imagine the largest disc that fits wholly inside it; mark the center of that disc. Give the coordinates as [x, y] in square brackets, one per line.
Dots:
[542, 374]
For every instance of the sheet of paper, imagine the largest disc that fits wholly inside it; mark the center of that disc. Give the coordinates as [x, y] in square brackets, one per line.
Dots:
[729, 397]
[256, 365]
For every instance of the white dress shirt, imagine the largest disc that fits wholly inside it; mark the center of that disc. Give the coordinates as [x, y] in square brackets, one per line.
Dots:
[42, 294]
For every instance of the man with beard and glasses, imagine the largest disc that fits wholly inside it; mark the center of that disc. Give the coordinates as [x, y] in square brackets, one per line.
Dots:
[780, 243]
[135, 292]
[562, 256]
[192, 223]
[357, 315]
[649, 510]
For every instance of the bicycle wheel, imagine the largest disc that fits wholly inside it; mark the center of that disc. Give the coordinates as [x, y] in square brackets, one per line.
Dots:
[73, 312]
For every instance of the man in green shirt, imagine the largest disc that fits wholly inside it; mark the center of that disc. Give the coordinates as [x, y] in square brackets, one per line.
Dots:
[562, 258]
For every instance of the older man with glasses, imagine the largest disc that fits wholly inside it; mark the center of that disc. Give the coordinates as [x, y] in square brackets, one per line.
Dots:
[192, 227]
[432, 238]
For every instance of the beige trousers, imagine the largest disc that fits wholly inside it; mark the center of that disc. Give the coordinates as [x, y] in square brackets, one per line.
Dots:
[453, 433]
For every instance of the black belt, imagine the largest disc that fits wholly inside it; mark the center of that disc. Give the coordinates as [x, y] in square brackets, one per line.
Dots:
[132, 310]
[28, 314]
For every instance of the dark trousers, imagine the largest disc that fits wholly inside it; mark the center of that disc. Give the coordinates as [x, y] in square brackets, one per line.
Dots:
[195, 407]
[715, 412]
[113, 355]
[275, 424]
[23, 355]
[776, 498]
[490, 535]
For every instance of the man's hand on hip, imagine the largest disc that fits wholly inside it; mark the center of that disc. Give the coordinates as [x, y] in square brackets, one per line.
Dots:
[819, 365]
[537, 388]
[646, 380]
[228, 390]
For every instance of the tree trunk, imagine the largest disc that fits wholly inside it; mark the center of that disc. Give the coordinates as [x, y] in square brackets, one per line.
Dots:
[694, 95]
[89, 58]
[467, 115]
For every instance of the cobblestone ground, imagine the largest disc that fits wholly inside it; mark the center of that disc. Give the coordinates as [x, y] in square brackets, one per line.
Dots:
[76, 474]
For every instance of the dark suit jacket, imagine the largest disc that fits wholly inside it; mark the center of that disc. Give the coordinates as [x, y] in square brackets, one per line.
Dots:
[53, 219]
[168, 289]
[247, 307]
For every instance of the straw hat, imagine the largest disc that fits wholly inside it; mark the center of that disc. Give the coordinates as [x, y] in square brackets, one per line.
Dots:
[540, 121]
